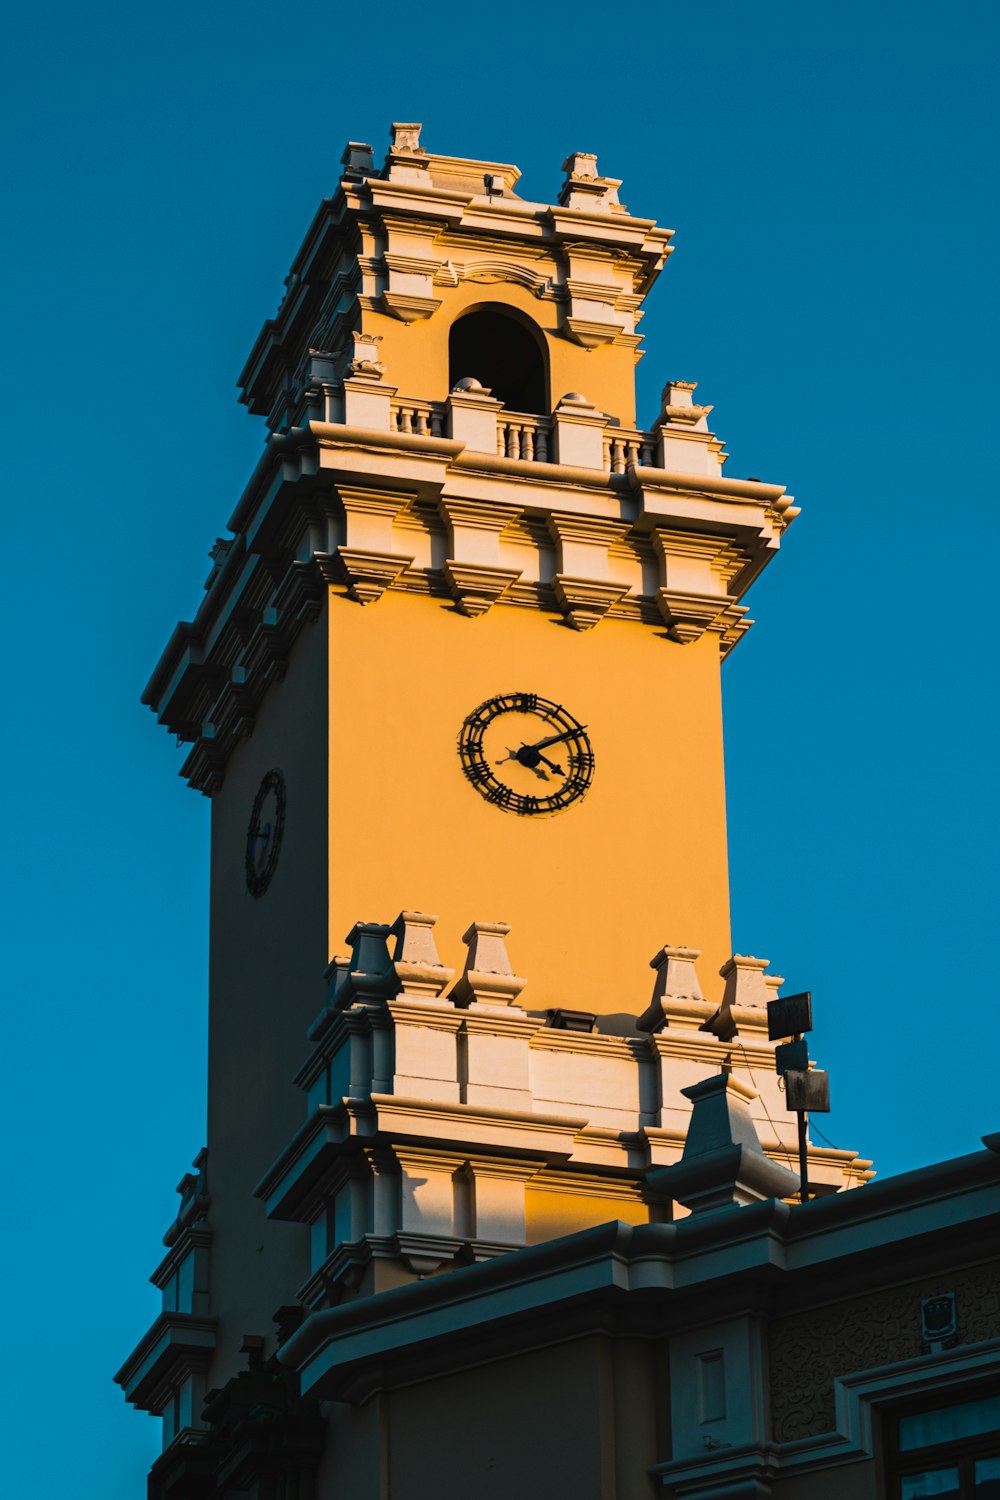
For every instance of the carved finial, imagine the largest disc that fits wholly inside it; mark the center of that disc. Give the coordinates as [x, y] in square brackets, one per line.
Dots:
[745, 982]
[584, 189]
[677, 405]
[488, 978]
[366, 361]
[676, 979]
[416, 962]
[407, 160]
[580, 164]
[405, 137]
[746, 989]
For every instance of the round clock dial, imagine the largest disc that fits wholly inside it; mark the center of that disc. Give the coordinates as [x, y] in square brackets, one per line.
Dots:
[526, 754]
[267, 822]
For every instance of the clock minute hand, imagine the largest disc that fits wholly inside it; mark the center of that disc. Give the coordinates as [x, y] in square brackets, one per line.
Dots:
[556, 739]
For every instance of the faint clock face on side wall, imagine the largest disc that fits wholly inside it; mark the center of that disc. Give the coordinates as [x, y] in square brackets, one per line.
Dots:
[526, 754]
[267, 822]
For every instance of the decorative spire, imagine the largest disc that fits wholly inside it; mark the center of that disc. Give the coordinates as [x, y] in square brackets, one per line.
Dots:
[746, 989]
[418, 968]
[676, 979]
[488, 978]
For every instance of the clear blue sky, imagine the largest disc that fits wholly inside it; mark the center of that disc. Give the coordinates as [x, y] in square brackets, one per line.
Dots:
[830, 172]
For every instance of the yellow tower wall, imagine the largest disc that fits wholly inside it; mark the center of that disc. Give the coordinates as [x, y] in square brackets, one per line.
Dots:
[591, 892]
[266, 967]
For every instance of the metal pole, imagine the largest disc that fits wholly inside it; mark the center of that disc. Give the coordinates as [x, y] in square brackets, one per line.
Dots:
[803, 1157]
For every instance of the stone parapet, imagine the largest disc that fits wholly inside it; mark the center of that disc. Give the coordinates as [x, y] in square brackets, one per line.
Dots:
[442, 1115]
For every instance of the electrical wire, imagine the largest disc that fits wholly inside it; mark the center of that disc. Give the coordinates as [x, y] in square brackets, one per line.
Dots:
[783, 1149]
[812, 1121]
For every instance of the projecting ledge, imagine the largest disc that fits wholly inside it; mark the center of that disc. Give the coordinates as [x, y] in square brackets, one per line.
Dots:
[175, 1342]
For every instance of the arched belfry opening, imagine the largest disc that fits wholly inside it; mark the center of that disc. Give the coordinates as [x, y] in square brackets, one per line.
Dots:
[501, 351]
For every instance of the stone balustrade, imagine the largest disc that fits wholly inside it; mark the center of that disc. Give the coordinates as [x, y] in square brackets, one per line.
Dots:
[421, 418]
[522, 436]
[576, 433]
[624, 446]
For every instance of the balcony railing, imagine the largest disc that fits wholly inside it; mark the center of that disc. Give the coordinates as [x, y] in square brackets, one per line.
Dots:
[624, 446]
[522, 436]
[423, 418]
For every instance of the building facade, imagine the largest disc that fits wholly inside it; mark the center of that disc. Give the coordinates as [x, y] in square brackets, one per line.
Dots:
[470, 1176]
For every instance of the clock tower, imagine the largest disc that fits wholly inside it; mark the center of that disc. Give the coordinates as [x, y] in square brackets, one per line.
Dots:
[454, 694]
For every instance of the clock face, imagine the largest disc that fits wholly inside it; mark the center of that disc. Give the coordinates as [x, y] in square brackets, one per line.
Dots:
[526, 754]
[267, 822]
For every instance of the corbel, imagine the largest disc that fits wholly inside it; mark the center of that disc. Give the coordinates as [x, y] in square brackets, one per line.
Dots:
[696, 570]
[367, 563]
[365, 575]
[582, 585]
[475, 577]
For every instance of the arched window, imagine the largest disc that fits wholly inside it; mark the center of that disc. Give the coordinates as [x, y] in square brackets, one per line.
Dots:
[503, 354]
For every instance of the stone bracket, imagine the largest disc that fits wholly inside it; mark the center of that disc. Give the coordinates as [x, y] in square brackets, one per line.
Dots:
[584, 601]
[366, 575]
[476, 587]
[408, 308]
[688, 616]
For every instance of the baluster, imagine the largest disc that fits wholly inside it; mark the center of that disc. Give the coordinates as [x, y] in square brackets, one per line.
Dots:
[647, 455]
[421, 424]
[617, 457]
[514, 450]
[501, 439]
[405, 419]
[607, 453]
[437, 424]
[631, 452]
[542, 445]
[527, 443]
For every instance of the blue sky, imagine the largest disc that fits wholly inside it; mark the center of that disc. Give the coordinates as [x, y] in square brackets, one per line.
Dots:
[829, 173]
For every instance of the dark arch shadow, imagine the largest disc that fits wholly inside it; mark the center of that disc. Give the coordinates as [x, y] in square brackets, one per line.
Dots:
[493, 345]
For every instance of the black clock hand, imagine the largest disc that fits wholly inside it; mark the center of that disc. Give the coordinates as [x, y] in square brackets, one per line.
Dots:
[550, 763]
[555, 739]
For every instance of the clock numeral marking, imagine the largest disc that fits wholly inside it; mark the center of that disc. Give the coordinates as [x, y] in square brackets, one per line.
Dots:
[569, 732]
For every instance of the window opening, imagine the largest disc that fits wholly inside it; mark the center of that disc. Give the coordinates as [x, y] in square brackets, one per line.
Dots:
[503, 355]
